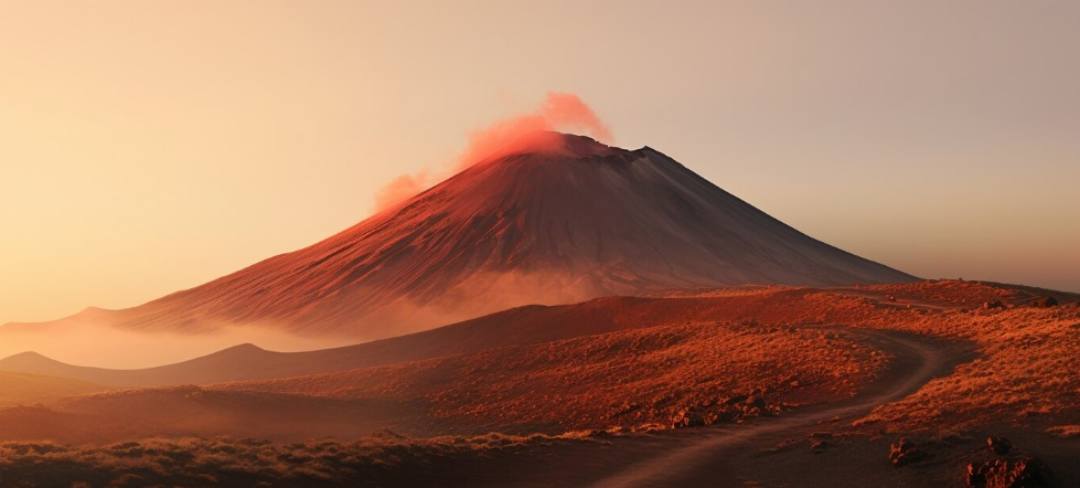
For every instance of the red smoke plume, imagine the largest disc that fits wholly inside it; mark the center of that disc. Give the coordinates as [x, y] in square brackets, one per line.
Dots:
[531, 132]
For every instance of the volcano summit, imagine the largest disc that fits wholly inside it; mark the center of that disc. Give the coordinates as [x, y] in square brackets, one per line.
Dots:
[580, 220]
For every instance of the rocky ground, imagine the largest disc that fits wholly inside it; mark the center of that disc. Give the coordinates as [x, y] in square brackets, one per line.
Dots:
[897, 385]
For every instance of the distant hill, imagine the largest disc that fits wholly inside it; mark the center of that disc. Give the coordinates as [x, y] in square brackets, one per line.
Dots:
[527, 325]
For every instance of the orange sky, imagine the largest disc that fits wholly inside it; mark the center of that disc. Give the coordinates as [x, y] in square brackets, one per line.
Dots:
[151, 146]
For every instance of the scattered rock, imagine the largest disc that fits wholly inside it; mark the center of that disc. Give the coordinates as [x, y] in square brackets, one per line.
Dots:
[819, 441]
[755, 401]
[755, 405]
[735, 399]
[818, 445]
[624, 408]
[992, 304]
[998, 445]
[717, 416]
[1023, 472]
[904, 452]
[686, 418]
[1044, 302]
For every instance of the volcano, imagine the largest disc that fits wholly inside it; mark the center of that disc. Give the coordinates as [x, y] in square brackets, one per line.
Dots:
[577, 221]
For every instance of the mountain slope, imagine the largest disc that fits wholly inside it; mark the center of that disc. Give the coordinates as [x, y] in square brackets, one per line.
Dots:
[584, 221]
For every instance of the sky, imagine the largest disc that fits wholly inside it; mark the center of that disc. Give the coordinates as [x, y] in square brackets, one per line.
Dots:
[147, 147]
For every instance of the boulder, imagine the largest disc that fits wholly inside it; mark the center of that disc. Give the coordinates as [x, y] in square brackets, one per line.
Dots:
[686, 418]
[755, 401]
[1022, 472]
[1044, 302]
[904, 452]
[819, 441]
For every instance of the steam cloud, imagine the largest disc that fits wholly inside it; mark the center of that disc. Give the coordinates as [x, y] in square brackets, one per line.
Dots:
[530, 132]
[400, 189]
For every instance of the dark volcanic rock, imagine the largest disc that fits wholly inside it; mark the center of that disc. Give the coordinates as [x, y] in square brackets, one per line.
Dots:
[1044, 302]
[735, 399]
[756, 399]
[1023, 472]
[998, 445]
[818, 445]
[686, 418]
[904, 452]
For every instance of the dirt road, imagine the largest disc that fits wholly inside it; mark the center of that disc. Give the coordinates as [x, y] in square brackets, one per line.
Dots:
[717, 455]
[921, 359]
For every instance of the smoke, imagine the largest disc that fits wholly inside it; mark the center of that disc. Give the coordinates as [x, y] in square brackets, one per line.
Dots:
[534, 132]
[400, 189]
[530, 132]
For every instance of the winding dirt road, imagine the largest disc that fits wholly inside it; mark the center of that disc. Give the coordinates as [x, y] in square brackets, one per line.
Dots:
[918, 362]
[720, 455]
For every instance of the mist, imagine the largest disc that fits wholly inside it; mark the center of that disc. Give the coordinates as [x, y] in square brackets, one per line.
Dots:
[96, 344]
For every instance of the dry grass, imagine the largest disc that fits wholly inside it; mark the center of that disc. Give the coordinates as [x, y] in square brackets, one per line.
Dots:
[1025, 373]
[642, 361]
[374, 461]
[622, 379]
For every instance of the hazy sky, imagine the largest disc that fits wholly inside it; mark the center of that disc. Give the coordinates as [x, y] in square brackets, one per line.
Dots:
[149, 146]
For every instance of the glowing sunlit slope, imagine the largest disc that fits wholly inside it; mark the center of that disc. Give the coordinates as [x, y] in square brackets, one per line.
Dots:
[621, 362]
[566, 223]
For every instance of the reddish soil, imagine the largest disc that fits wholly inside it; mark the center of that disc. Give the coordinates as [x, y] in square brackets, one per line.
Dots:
[711, 372]
[801, 386]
